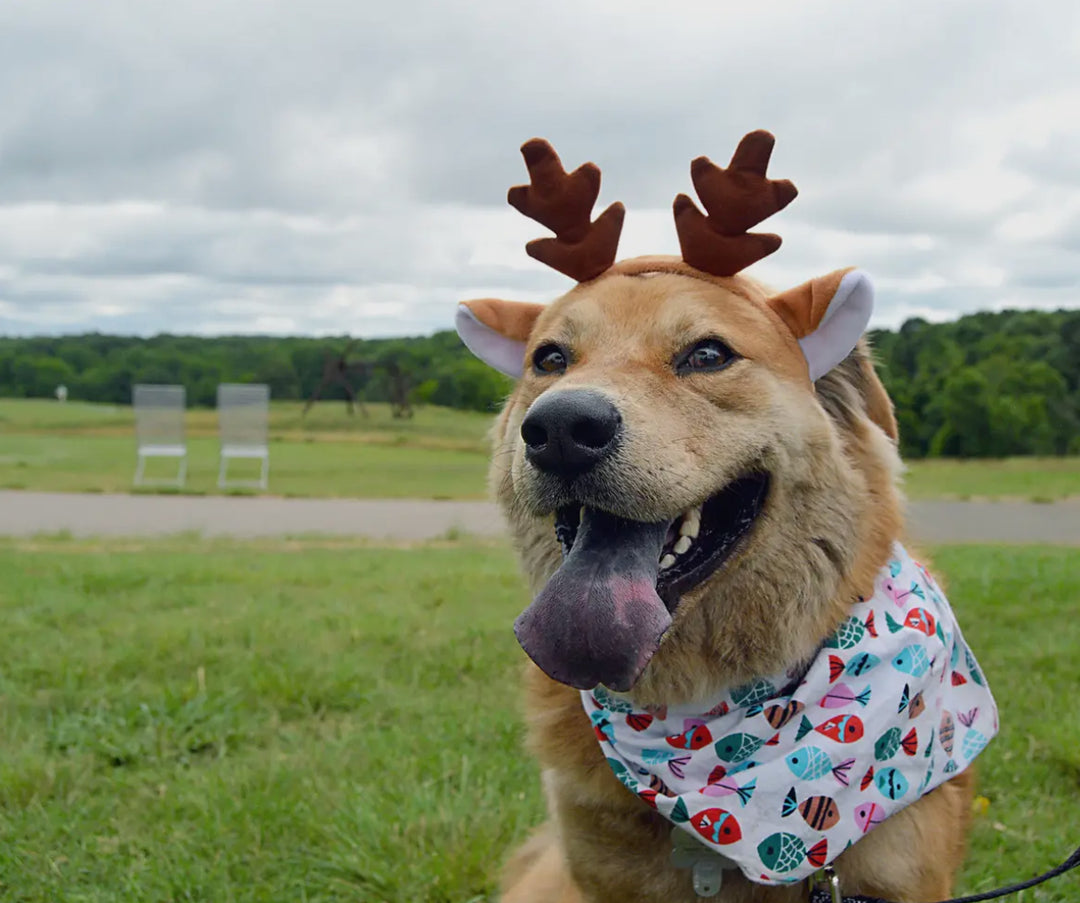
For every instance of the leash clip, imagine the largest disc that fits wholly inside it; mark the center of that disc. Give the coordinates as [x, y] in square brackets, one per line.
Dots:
[826, 886]
[706, 866]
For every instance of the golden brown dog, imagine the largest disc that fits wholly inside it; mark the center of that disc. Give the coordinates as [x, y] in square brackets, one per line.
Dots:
[657, 392]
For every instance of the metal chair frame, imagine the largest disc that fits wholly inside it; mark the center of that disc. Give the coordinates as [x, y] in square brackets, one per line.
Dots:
[159, 430]
[243, 415]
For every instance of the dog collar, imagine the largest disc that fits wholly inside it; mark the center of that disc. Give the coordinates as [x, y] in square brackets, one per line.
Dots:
[783, 774]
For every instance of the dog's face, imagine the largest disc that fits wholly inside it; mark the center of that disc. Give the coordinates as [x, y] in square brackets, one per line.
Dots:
[686, 507]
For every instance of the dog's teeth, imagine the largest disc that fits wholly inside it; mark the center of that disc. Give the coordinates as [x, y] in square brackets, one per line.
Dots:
[691, 523]
[667, 561]
[683, 545]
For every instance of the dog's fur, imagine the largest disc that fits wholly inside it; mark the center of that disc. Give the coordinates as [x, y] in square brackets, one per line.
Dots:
[831, 517]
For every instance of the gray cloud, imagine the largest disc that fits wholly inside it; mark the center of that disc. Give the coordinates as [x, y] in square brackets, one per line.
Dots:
[212, 167]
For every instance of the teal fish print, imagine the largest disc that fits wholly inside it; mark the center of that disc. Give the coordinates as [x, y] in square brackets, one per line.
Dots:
[973, 667]
[736, 747]
[670, 757]
[623, 774]
[861, 663]
[973, 741]
[891, 783]
[755, 691]
[912, 660]
[601, 726]
[851, 633]
[606, 700]
[809, 763]
[887, 744]
[783, 852]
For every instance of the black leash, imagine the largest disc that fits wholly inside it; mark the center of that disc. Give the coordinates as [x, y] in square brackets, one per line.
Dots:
[824, 895]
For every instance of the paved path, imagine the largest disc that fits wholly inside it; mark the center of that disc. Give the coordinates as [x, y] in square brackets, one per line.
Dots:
[28, 513]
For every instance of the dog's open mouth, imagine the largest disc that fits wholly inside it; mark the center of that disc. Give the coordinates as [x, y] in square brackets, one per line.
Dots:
[600, 617]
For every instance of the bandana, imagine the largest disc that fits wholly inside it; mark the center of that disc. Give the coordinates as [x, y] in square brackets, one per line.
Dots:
[783, 774]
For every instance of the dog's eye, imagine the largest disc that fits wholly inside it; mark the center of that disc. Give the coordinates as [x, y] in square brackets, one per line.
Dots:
[549, 359]
[706, 356]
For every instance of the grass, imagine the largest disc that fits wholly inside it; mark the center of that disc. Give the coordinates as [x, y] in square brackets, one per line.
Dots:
[77, 447]
[1030, 479]
[439, 453]
[329, 721]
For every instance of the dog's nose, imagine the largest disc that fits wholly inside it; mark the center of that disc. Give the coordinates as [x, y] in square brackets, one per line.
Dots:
[567, 433]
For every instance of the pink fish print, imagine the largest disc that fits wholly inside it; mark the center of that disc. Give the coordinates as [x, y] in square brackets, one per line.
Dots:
[842, 695]
[867, 815]
[721, 784]
[899, 595]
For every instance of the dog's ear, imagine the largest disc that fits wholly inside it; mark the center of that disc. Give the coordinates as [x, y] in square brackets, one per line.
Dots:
[497, 331]
[827, 316]
[852, 390]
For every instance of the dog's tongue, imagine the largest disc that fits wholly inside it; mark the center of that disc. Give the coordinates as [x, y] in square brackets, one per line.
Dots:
[599, 620]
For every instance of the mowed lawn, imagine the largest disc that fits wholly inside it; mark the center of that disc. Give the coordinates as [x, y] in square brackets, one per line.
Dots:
[439, 453]
[74, 447]
[304, 720]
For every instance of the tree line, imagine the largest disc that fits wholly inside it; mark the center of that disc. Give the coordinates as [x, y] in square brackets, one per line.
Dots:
[986, 385]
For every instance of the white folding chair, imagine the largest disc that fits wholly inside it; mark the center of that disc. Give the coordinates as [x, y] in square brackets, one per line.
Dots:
[159, 430]
[243, 412]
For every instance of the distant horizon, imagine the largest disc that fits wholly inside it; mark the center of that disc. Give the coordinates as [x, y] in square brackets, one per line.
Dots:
[950, 318]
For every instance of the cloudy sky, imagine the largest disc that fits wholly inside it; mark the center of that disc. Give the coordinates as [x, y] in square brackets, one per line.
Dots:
[318, 166]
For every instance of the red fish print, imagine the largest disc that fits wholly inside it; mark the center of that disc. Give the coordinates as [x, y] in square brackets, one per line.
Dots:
[910, 743]
[638, 721]
[870, 628]
[867, 778]
[818, 854]
[717, 826]
[921, 620]
[836, 667]
[958, 679]
[718, 711]
[649, 796]
[842, 728]
[694, 737]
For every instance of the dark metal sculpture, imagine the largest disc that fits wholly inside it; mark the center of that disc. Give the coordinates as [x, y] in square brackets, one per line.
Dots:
[337, 370]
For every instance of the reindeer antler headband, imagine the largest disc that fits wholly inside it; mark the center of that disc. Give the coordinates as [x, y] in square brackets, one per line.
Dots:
[735, 199]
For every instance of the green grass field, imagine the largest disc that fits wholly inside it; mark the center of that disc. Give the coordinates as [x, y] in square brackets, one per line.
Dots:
[316, 721]
[440, 453]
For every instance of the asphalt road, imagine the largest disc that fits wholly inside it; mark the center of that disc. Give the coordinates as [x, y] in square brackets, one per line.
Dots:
[29, 513]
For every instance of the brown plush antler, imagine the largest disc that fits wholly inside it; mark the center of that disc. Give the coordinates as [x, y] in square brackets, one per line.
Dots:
[736, 198]
[563, 202]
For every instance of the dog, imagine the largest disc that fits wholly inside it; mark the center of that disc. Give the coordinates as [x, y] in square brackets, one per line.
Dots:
[700, 480]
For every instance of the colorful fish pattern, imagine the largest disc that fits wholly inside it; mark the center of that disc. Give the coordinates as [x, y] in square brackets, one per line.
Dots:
[869, 814]
[785, 772]
[841, 696]
[694, 737]
[842, 728]
[785, 852]
[819, 812]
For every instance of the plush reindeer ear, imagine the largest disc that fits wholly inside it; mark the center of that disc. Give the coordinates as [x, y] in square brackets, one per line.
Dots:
[496, 331]
[827, 315]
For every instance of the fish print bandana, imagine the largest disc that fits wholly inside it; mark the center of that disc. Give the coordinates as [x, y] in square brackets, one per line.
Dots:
[783, 774]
